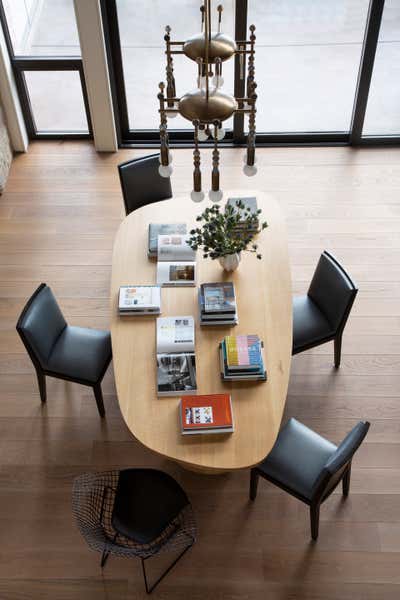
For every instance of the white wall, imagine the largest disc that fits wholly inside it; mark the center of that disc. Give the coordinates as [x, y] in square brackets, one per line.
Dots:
[88, 16]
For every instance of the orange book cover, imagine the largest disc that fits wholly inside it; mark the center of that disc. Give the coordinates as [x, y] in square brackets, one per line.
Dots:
[206, 411]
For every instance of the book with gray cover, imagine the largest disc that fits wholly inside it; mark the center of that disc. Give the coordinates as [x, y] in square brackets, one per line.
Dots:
[249, 202]
[156, 229]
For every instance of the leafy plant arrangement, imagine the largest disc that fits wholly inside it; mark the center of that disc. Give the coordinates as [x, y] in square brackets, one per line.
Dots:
[228, 232]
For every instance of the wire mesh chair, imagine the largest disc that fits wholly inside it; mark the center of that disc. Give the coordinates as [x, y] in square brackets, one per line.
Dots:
[93, 503]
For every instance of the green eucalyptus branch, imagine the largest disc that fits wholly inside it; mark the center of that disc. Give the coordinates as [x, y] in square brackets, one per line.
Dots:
[228, 232]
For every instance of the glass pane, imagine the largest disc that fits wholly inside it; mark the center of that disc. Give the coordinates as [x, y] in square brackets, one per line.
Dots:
[57, 101]
[143, 58]
[42, 27]
[383, 109]
[307, 61]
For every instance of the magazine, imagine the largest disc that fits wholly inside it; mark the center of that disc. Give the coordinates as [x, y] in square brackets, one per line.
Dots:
[176, 361]
[176, 374]
[176, 261]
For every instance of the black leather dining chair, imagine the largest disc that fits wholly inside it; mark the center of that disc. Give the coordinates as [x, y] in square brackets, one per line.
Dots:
[141, 182]
[308, 466]
[321, 315]
[60, 350]
[134, 513]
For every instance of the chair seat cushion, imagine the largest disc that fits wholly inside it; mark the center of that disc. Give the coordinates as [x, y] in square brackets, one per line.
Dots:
[81, 353]
[297, 458]
[146, 502]
[309, 324]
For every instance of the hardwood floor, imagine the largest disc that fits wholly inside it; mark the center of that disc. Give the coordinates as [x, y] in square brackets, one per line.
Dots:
[58, 218]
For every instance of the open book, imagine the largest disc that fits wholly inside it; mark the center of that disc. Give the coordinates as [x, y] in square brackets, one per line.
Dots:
[156, 229]
[176, 362]
[176, 261]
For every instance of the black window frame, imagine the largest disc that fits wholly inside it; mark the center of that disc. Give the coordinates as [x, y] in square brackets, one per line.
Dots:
[20, 64]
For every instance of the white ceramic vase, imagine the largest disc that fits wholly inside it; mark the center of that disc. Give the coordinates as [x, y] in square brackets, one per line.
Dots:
[230, 262]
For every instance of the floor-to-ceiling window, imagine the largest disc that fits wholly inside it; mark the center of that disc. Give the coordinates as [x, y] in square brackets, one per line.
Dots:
[327, 71]
[44, 47]
[309, 58]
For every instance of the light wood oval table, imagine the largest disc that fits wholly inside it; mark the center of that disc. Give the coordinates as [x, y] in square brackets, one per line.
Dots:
[264, 299]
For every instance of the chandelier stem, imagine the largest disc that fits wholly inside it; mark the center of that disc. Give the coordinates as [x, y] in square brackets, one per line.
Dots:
[220, 8]
[171, 88]
[196, 159]
[252, 97]
[207, 35]
[215, 156]
[164, 150]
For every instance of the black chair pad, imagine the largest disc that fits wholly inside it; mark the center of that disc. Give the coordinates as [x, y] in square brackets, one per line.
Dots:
[297, 458]
[146, 502]
[81, 354]
[309, 324]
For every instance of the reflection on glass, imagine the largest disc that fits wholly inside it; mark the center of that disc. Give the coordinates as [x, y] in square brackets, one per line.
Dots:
[307, 62]
[382, 116]
[42, 27]
[57, 101]
[143, 58]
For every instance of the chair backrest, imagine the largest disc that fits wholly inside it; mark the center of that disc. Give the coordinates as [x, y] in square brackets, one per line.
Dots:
[141, 182]
[332, 290]
[336, 465]
[40, 324]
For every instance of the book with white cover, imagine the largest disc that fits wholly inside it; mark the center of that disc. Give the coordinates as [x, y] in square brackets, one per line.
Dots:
[175, 334]
[176, 361]
[176, 261]
[139, 299]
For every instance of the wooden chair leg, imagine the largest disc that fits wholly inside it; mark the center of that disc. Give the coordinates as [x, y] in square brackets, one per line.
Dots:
[314, 516]
[338, 350]
[99, 399]
[41, 377]
[346, 481]
[253, 484]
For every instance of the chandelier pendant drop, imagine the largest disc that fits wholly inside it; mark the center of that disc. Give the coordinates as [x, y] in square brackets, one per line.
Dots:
[207, 106]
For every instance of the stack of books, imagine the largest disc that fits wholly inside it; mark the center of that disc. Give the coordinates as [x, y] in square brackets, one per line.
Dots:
[250, 203]
[156, 229]
[242, 358]
[139, 300]
[217, 304]
[176, 264]
[206, 414]
[176, 360]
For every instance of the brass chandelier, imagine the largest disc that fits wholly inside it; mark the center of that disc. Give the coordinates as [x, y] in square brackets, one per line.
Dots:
[207, 106]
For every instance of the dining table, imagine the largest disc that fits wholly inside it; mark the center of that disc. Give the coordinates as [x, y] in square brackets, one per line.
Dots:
[264, 306]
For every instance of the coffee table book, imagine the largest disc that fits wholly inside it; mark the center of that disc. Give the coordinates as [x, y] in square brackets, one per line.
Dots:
[217, 304]
[156, 229]
[176, 360]
[176, 264]
[208, 413]
[248, 369]
[249, 202]
[139, 300]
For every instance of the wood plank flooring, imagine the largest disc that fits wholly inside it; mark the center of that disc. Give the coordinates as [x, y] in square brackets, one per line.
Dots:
[58, 218]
